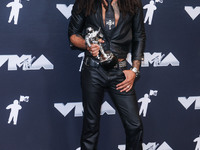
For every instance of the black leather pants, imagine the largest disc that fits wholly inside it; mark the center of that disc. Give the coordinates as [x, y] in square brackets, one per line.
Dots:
[93, 81]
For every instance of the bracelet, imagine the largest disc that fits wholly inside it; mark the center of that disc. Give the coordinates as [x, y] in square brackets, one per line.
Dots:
[136, 71]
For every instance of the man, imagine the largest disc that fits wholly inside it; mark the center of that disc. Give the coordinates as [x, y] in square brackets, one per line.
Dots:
[121, 23]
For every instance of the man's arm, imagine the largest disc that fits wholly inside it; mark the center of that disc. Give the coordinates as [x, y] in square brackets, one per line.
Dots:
[137, 51]
[139, 36]
[76, 26]
[78, 41]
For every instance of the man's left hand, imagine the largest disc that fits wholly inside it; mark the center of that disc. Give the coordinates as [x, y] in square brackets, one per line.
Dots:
[127, 84]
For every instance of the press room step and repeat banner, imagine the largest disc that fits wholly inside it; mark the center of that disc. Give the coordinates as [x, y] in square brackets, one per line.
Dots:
[40, 95]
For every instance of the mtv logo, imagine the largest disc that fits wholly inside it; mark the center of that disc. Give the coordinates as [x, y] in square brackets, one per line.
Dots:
[154, 146]
[150, 146]
[159, 1]
[193, 12]
[187, 102]
[159, 60]
[66, 109]
[26, 62]
[153, 93]
[24, 98]
[164, 146]
[65, 10]
[78, 109]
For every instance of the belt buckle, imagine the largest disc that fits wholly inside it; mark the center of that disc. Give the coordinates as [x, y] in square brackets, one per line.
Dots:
[122, 64]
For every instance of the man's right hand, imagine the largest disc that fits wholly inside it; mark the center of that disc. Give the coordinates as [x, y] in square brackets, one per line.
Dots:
[94, 49]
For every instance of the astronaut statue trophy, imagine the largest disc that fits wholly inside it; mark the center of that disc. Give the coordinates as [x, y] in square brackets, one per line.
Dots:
[106, 58]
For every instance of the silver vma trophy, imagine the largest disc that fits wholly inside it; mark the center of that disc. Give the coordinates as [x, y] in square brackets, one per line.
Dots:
[107, 59]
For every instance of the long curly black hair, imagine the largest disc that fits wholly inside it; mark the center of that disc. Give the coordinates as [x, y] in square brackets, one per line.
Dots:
[125, 6]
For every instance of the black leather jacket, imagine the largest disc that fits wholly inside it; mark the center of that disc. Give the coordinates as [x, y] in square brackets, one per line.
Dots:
[128, 35]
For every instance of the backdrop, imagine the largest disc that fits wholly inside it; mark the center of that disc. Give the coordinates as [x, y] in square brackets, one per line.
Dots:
[40, 95]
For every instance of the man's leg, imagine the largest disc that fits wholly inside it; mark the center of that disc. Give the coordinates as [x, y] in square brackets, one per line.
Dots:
[92, 92]
[126, 104]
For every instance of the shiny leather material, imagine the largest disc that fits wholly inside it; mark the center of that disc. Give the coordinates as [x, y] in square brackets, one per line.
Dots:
[94, 81]
[89, 61]
[128, 35]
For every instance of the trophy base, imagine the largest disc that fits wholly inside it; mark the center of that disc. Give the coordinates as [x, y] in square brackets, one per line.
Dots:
[109, 62]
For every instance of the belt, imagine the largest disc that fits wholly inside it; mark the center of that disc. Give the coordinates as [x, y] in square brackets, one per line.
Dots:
[89, 61]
